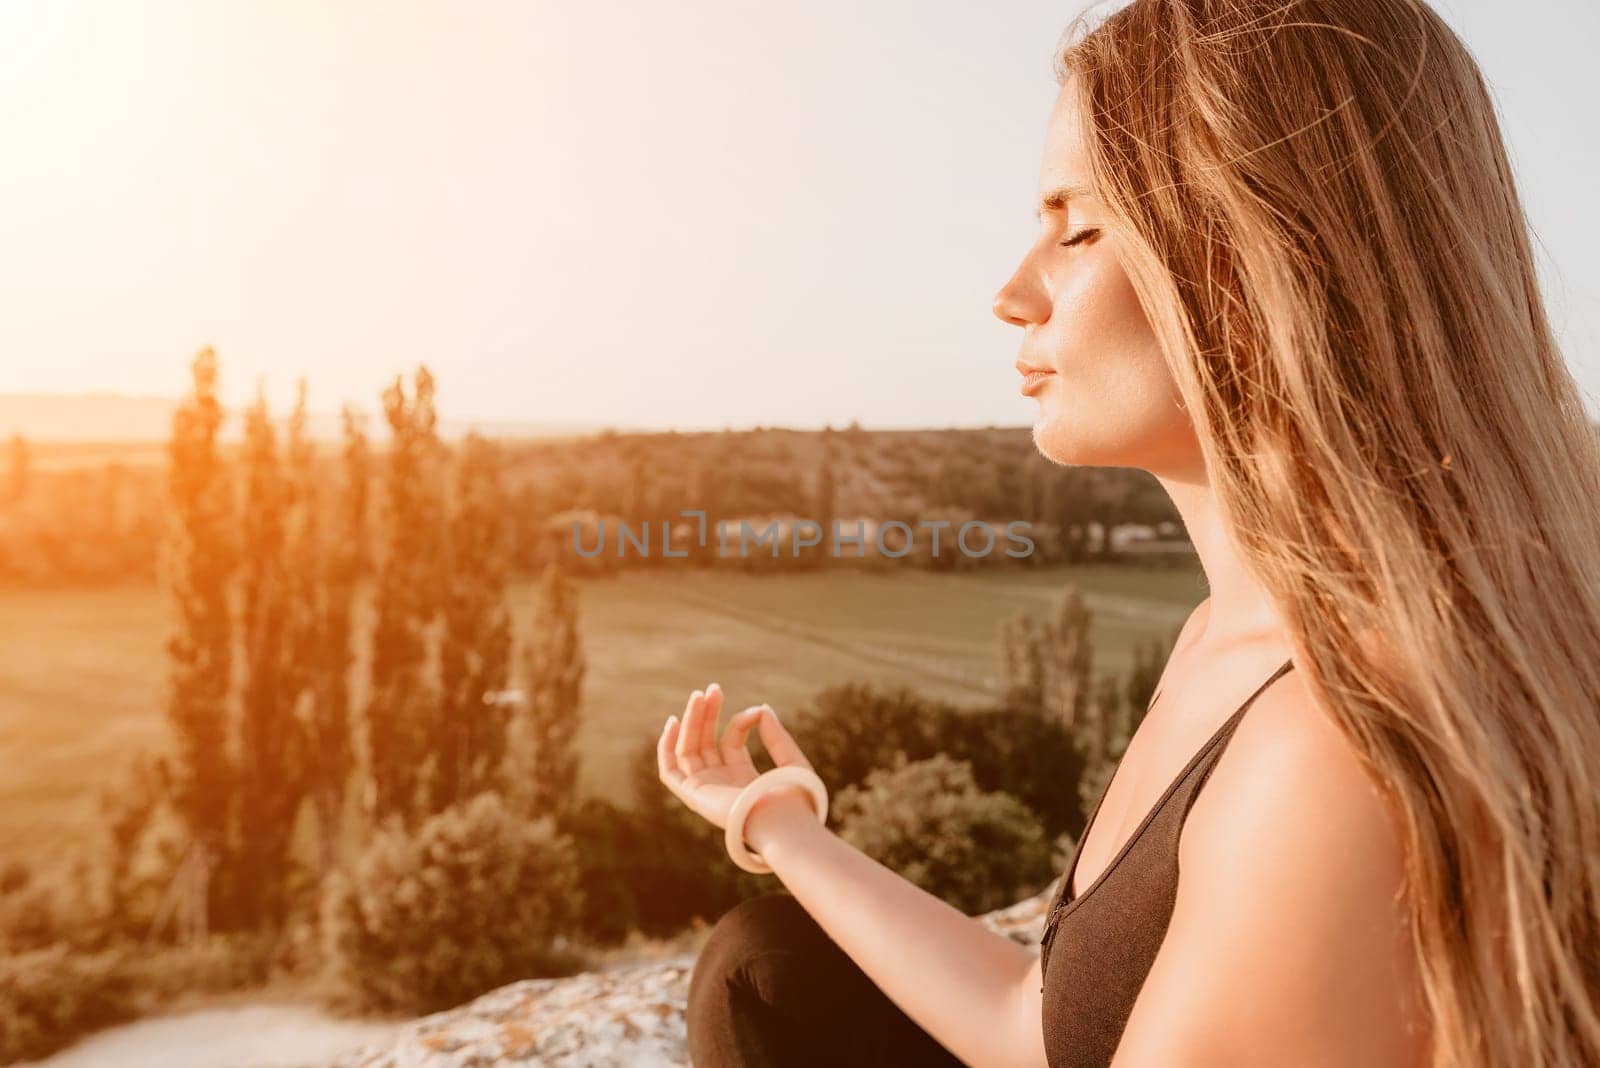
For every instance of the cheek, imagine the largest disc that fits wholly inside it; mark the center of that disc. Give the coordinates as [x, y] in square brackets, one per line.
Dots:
[1113, 402]
[1097, 323]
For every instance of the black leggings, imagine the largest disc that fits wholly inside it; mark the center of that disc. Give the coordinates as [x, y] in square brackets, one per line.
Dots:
[770, 988]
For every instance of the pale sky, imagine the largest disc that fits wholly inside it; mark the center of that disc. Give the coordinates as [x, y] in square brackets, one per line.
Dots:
[699, 214]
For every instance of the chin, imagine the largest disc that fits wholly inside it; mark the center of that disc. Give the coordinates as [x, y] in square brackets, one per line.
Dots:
[1163, 448]
[1076, 445]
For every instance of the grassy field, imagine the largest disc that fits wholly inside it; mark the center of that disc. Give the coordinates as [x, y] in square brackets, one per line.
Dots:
[83, 673]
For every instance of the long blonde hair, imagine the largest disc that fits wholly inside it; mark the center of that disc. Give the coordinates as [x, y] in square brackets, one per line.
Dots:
[1323, 228]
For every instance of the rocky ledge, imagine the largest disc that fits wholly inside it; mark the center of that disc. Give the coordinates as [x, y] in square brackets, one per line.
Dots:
[626, 1016]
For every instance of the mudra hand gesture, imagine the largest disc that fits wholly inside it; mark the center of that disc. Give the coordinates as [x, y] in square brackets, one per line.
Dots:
[707, 776]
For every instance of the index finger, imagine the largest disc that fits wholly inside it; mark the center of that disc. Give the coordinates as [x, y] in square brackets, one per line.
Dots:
[708, 729]
[733, 738]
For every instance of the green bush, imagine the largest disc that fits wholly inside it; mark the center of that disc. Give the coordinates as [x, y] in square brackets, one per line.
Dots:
[28, 919]
[930, 822]
[473, 899]
[50, 996]
[670, 861]
[850, 730]
[49, 906]
[654, 867]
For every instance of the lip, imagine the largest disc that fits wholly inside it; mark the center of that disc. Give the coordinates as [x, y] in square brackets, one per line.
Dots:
[1032, 377]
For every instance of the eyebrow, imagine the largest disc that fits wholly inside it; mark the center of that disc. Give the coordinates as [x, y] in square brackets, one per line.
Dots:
[1057, 198]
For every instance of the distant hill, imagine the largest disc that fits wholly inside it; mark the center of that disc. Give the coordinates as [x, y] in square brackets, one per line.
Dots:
[79, 416]
[125, 418]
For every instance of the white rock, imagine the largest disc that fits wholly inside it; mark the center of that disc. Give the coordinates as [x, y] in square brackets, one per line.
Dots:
[628, 1016]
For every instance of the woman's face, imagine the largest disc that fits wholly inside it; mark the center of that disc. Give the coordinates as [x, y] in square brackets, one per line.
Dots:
[1104, 395]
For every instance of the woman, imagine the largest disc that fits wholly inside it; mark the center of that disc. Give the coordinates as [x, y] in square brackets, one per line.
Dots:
[1283, 267]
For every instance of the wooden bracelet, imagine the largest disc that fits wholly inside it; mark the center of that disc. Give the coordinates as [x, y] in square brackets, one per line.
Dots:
[759, 787]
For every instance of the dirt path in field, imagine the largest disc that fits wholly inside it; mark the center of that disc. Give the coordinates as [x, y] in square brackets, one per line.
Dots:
[926, 666]
[271, 1035]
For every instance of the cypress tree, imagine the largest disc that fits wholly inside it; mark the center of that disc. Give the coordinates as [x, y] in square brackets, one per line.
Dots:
[469, 733]
[547, 768]
[824, 505]
[271, 782]
[1099, 739]
[402, 698]
[1022, 657]
[345, 560]
[198, 560]
[1067, 656]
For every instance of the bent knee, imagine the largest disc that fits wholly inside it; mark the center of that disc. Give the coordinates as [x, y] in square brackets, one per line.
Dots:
[736, 974]
[758, 925]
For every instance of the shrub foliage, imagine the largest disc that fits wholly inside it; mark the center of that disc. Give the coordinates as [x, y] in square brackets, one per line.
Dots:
[928, 820]
[473, 899]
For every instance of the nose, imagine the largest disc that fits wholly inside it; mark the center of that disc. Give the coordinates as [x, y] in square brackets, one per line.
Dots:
[1021, 301]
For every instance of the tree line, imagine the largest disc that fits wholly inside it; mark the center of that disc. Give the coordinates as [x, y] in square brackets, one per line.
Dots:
[87, 523]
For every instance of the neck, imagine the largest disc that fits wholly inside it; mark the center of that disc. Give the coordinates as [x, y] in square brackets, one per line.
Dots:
[1238, 610]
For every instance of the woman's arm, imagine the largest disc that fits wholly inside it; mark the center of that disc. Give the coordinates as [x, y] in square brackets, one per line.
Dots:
[975, 991]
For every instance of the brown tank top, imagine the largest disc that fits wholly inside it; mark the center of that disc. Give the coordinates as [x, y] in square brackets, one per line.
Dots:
[1105, 939]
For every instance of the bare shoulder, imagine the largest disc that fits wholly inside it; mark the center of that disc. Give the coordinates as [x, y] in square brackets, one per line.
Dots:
[1289, 940]
[1288, 763]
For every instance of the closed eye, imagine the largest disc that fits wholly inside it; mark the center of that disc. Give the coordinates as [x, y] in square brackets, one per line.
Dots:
[1080, 237]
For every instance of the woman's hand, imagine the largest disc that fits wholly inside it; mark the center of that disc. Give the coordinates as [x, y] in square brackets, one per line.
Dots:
[707, 776]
